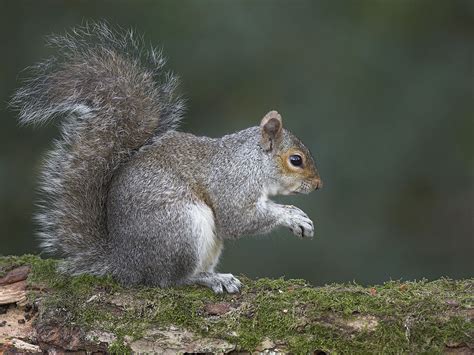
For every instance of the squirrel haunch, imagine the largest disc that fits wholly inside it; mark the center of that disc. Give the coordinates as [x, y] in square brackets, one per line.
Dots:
[125, 194]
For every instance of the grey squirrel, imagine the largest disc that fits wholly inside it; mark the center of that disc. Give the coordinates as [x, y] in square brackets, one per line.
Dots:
[125, 193]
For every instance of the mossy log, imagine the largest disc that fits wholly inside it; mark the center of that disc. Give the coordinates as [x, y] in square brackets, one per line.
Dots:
[41, 310]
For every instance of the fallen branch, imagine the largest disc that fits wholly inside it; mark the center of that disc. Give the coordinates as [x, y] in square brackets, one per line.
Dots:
[41, 310]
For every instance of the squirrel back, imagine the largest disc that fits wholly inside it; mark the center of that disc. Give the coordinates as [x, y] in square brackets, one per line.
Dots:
[113, 98]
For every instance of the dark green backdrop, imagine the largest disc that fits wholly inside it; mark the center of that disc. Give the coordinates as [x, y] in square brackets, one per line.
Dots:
[381, 92]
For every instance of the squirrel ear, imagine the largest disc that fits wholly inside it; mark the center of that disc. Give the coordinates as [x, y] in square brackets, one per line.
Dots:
[271, 129]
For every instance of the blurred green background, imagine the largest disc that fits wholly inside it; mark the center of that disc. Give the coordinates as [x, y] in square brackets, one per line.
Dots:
[380, 91]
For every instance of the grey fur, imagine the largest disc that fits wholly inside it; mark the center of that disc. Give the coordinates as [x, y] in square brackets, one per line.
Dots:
[127, 195]
[113, 98]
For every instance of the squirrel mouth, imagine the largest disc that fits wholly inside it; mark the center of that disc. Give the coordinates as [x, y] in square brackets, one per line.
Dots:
[305, 188]
[299, 191]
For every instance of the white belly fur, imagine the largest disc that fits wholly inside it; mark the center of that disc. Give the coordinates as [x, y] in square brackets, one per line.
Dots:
[209, 247]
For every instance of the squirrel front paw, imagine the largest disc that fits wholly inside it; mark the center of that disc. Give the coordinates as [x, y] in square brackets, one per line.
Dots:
[298, 222]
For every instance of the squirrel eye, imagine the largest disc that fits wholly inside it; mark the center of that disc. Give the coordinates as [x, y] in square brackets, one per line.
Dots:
[296, 160]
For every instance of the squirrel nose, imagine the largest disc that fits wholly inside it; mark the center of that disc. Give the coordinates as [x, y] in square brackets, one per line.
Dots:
[318, 183]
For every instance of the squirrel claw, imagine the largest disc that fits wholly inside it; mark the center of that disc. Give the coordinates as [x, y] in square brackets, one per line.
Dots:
[220, 282]
[299, 222]
[302, 232]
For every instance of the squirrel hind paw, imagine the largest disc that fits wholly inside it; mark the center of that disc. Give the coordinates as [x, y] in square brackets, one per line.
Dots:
[228, 282]
[218, 282]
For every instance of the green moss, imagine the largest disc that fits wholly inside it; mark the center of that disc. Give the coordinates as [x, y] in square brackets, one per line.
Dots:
[119, 347]
[394, 317]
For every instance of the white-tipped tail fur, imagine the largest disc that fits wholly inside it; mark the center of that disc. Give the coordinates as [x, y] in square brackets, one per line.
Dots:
[113, 97]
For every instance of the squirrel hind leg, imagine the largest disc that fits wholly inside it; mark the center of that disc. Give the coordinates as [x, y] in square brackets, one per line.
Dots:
[153, 249]
[177, 243]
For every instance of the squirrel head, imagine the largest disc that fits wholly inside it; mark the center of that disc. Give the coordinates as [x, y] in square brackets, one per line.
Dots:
[297, 171]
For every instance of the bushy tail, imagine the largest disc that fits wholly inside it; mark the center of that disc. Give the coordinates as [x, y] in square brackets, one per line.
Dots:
[113, 97]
